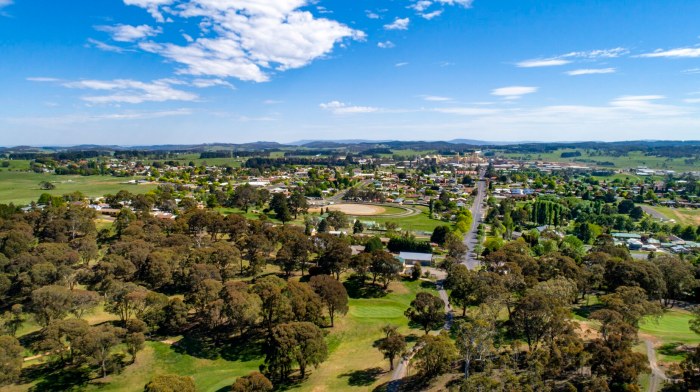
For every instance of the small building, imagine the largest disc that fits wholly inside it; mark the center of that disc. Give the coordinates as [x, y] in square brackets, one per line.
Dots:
[410, 258]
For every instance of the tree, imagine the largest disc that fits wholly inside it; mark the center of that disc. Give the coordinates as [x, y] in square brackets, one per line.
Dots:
[332, 293]
[254, 382]
[475, 339]
[50, 303]
[385, 267]
[300, 343]
[82, 301]
[392, 346]
[244, 196]
[10, 359]
[358, 227]
[298, 203]
[46, 186]
[98, 343]
[276, 307]
[439, 235]
[306, 305]
[436, 355]
[241, 307]
[337, 219]
[679, 278]
[632, 304]
[416, 271]
[426, 310]
[134, 343]
[281, 207]
[171, 383]
[177, 312]
[537, 316]
[334, 256]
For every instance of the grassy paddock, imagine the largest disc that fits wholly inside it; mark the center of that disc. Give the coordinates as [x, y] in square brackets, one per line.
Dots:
[23, 187]
[684, 216]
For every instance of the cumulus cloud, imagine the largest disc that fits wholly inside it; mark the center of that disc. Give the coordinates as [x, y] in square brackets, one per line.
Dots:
[372, 14]
[590, 71]
[131, 91]
[674, 53]
[247, 39]
[398, 24]
[386, 45]
[513, 92]
[128, 33]
[337, 107]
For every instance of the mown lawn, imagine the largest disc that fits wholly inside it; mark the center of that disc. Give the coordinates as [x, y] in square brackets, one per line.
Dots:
[23, 187]
[421, 222]
[672, 330]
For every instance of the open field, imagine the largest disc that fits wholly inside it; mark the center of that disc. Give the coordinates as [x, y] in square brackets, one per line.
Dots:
[23, 187]
[631, 160]
[684, 216]
[670, 332]
[355, 209]
[420, 222]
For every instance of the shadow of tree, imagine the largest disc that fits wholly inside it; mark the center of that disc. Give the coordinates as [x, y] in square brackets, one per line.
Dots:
[356, 289]
[211, 346]
[414, 383]
[55, 377]
[673, 348]
[361, 378]
[427, 285]
[586, 310]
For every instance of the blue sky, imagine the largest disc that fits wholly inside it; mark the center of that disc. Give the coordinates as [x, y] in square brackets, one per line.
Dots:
[135, 72]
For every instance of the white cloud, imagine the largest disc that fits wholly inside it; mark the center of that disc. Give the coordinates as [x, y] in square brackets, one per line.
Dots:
[590, 71]
[72, 119]
[337, 107]
[42, 79]
[567, 58]
[421, 5]
[131, 91]
[674, 53]
[386, 45]
[468, 111]
[553, 62]
[691, 71]
[272, 102]
[105, 46]
[398, 24]
[431, 15]
[247, 39]
[463, 3]
[152, 6]
[204, 83]
[402, 64]
[435, 98]
[372, 15]
[692, 100]
[128, 33]
[513, 92]
[5, 3]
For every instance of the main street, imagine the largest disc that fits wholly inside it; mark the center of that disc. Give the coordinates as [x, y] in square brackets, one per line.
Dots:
[471, 238]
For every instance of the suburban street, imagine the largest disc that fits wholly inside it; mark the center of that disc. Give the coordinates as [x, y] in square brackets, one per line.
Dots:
[470, 239]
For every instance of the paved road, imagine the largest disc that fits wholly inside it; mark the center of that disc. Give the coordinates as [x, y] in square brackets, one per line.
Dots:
[654, 214]
[470, 239]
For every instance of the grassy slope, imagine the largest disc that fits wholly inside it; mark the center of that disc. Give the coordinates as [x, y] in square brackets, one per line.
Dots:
[684, 216]
[23, 187]
[671, 330]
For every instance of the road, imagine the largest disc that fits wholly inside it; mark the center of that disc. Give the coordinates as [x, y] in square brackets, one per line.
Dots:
[658, 377]
[402, 367]
[471, 238]
[654, 214]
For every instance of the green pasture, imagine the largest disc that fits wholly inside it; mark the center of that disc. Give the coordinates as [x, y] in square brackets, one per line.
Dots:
[23, 187]
[684, 216]
[632, 160]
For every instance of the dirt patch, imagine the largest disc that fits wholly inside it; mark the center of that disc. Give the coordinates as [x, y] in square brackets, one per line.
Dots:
[355, 209]
[586, 332]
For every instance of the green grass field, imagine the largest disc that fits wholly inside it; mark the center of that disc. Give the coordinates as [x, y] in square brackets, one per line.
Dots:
[671, 330]
[353, 363]
[23, 187]
[631, 160]
[421, 222]
[684, 216]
